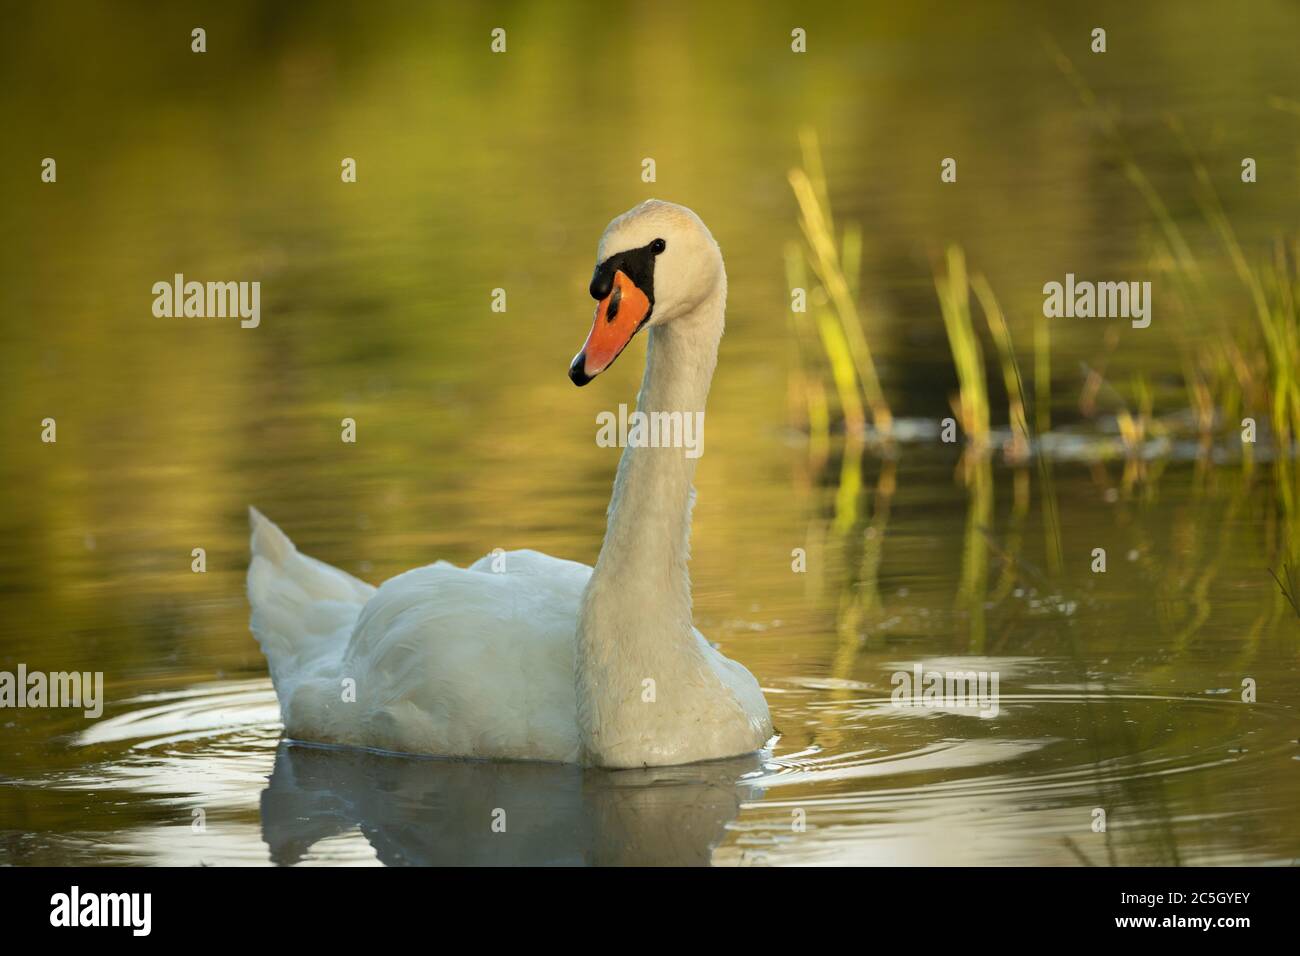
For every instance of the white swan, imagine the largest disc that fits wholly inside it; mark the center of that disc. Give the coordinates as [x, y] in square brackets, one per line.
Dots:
[543, 659]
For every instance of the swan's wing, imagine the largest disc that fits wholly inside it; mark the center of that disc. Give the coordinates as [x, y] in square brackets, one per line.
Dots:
[466, 662]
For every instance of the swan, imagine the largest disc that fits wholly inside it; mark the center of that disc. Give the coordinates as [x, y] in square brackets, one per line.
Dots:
[523, 656]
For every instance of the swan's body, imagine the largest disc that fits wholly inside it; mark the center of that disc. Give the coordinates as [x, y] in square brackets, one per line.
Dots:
[521, 655]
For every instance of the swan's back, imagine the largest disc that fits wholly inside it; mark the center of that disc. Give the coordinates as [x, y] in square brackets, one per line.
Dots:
[473, 661]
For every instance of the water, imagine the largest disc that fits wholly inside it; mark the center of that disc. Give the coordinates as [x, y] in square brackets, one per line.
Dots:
[1120, 691]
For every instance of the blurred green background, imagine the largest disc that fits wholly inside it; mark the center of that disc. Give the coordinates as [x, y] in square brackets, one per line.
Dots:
[478, 171]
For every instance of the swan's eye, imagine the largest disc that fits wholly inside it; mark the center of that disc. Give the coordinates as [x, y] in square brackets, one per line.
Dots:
[658, 246]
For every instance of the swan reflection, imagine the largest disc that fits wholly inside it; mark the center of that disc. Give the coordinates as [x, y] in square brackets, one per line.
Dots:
[425, 811]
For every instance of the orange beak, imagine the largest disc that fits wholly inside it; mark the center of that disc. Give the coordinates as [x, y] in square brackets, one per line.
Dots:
[618, 317]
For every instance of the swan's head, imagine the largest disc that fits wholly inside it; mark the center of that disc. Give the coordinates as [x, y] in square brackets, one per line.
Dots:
[655, 264]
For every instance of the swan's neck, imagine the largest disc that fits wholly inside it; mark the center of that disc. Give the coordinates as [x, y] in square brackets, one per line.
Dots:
[638, 606]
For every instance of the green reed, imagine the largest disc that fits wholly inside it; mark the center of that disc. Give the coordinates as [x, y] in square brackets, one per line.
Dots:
[971, 404]
[1287, 584]
[1019, 449]
[1220, 379]
[833, 300]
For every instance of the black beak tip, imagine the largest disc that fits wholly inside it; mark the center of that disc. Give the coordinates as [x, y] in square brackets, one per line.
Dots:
[577, 371]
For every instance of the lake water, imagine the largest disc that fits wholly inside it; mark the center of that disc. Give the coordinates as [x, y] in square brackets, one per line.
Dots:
[1120, 692]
